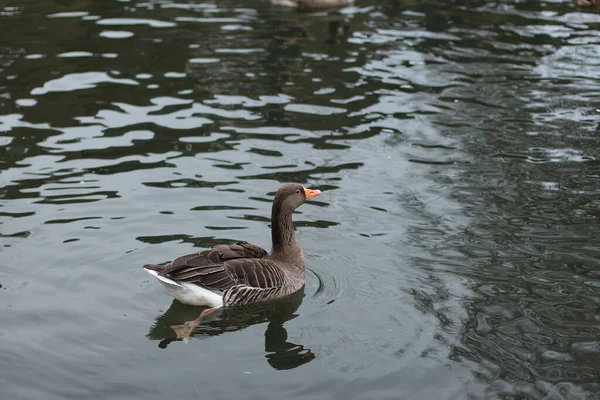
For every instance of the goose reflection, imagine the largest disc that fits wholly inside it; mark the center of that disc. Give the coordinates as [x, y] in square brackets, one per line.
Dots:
[281, 354]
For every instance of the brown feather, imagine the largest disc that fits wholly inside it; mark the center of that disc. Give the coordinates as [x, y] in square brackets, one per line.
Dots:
[224, 267]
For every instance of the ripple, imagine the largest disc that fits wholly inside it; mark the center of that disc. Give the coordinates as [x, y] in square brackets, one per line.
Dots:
[79, 198]
[226, 100]
[26, 102]
[69, 14]
[238, 51]
[224, 228]
[84, 139]
[116, 34]
[175, 75]
[75, 54]
[314, 109]
[210, 7]
[236, 28]
[204, 139]
[136, 21]
[220, 207]
[181, 183]
[207, 20]
[181, 119]
[324, 288]
[453, 252]
[204, 60]
[68, 221]
[79, 81]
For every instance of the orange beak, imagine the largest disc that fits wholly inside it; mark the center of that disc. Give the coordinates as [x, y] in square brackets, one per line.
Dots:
[309, 193]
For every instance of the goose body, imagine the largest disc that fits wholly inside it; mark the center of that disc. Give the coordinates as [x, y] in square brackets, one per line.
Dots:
[242, 273]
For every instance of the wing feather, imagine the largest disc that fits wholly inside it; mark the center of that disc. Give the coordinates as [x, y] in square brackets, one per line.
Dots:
[241, 271]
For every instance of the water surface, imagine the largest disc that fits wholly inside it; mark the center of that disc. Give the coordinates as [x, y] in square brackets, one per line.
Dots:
[453, 254]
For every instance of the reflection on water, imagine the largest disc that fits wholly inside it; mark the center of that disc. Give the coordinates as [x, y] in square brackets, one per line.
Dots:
[281, 354]
[454, 256]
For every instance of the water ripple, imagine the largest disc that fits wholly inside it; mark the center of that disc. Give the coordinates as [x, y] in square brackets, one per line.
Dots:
[453, 253]
[135, 21]
[80, 81]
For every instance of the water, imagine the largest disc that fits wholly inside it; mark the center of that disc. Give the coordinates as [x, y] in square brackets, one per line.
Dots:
[453, 254]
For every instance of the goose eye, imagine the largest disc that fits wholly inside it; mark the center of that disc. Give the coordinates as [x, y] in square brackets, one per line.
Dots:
[298, 191]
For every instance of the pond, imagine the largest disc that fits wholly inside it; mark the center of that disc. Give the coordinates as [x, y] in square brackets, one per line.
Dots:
[454, 252]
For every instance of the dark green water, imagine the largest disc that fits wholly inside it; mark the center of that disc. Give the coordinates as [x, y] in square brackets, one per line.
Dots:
[454, 253]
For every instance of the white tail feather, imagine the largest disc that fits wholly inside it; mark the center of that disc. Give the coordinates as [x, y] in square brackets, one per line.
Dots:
[163, 279]
[189, 293]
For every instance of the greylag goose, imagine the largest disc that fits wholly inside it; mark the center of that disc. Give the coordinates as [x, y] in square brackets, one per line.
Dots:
[241, 273]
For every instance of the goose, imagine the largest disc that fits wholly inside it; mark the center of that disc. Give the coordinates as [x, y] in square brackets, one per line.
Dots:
[230, 275]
